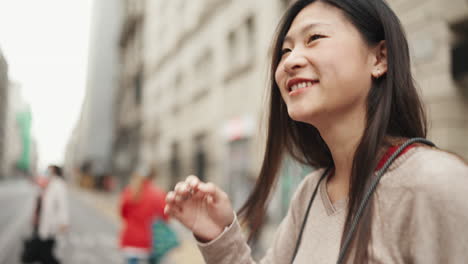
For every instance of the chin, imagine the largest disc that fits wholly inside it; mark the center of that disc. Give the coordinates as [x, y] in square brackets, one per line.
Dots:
[301, 115]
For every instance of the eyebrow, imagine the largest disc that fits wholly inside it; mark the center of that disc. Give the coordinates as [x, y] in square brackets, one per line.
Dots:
[305, 29]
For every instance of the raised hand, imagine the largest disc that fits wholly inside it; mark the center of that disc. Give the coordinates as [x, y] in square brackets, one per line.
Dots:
[202, 207]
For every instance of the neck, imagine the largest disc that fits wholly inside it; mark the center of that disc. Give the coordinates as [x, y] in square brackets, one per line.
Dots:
[342, 136]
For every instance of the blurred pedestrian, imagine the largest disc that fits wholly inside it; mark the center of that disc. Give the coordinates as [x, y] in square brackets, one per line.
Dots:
[343, 100]
[53, 212]
[141, 203]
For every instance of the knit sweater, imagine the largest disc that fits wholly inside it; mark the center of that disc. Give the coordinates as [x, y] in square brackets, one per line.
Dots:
[420, 215]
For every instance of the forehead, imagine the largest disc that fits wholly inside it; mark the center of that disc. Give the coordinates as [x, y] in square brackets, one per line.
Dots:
[317, 14]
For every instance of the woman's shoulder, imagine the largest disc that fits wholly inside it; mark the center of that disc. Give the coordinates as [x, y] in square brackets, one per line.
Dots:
[435, 162]
[427, 185]
[430, 170]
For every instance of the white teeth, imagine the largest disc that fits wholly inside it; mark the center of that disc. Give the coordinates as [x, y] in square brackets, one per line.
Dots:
[300, 85]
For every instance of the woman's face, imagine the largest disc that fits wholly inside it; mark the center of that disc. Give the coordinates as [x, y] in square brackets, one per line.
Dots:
[325, 68]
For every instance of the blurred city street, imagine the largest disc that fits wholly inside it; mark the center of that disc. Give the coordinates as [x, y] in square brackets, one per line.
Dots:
[91, 238]
[93, 234]
[124, 95]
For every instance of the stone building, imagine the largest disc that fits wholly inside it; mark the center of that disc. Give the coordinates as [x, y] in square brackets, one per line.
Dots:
[205, 73]
[4, 83]
[438, 36]
[20, 151]
[129, 99]
[92, 140]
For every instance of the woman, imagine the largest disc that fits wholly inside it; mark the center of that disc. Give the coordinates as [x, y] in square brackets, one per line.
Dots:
[342, 100]
[141, 203]
[53, 214]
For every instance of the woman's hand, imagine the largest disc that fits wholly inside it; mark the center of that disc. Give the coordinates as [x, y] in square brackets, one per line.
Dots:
[202, 207]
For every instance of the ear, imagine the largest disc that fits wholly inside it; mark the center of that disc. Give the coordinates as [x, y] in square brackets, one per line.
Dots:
[379, 68]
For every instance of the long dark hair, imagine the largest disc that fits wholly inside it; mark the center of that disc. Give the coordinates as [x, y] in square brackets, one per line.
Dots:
[394, 110]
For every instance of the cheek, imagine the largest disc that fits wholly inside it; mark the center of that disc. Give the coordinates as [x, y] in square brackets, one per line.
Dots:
[279, 76]
[344, 82]
[346, 70]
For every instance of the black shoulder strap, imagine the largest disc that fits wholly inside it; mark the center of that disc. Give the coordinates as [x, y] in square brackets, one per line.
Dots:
[299, 237]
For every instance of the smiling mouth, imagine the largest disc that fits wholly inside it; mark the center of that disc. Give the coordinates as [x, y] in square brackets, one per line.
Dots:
[302, 85]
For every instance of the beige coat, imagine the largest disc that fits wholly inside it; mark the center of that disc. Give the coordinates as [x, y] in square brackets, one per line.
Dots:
[54, 210]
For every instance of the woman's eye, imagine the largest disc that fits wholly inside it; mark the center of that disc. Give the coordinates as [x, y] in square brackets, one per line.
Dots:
[284, 51]
[314, 37]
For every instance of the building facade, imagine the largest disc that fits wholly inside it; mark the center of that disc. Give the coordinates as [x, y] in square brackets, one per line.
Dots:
[127, 129]
[19, 152]
[94, 133]
[206, 69]
[3, 111]
[438, 37]
[12, 139]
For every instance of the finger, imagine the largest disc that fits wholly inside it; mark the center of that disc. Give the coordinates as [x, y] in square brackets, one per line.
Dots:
[211, 190]
[170, 198]
[178, 186]
[178, 199]
[198, 194]
[192, 181]
[209, 199]
[183, 191]
[168, 209]
[173, 199]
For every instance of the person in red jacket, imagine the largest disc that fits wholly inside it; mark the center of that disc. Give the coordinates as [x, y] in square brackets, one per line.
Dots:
[141, 203]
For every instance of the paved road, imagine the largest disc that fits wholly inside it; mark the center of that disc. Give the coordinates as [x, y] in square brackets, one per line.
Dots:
[92, 238]
[16, 199]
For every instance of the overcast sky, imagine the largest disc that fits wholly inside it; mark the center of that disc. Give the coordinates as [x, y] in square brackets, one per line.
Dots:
[45, 44]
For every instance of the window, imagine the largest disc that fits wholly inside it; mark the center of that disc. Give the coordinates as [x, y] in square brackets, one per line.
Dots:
[459, 55]
[241, 48]
[203, 71]
[199, 157]
[250, 24]
[251, 41]
[239, 182]
[232, 45]
[138, 88]
[177, 93]
[179, 83]
[175, 164]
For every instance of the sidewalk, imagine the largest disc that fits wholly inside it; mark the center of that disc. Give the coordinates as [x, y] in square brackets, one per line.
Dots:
[107, 203]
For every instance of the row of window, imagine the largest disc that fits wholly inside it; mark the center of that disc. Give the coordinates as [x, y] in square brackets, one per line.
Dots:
[240, 49]
[199, 160]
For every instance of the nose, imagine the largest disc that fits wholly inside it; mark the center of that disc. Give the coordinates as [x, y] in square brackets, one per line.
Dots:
[294, 61]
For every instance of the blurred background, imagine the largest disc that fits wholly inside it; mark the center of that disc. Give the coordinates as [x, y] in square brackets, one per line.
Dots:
[103, 87]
